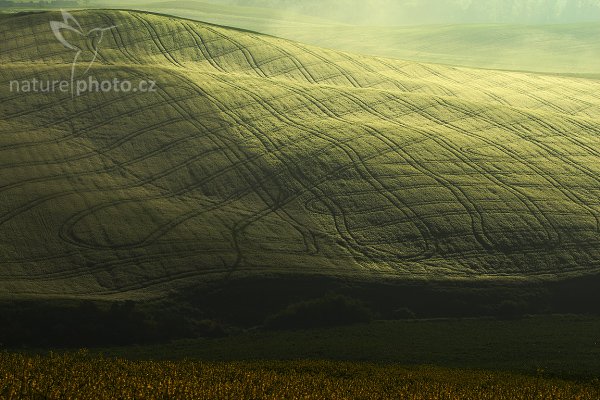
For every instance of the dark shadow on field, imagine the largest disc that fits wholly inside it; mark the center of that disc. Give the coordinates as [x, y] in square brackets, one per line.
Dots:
[290, 302]
[249, 301]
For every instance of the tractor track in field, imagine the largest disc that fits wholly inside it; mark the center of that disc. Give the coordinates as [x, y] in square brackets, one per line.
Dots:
[282, 151]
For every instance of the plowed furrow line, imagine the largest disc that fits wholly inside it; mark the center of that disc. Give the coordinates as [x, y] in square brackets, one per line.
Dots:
[552, 233]
[553, 237]
[202, 46]
[247, 54]
[179, 166]
[118, 39]
[472, 209]
[349, 77]
[161, 231]
[302, 68]
[384, 78]
[70, 117]
[304, 232]
[572, 195]
[379, 187]
[539, 173]
[157, 42]
[348, 151]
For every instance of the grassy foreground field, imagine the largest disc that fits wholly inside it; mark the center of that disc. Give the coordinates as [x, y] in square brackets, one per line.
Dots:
[83, 377]
[533, 358]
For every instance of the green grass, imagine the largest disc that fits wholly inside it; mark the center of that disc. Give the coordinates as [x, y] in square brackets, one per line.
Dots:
[260, 156]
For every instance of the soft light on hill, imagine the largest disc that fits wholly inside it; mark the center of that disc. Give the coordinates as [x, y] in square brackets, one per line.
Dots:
[258, 155]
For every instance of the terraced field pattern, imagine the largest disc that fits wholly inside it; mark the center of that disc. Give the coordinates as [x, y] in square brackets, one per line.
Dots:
[258, 155]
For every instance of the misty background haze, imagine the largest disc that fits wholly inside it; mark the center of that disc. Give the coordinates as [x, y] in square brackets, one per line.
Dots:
[415, 12]
[553, 36]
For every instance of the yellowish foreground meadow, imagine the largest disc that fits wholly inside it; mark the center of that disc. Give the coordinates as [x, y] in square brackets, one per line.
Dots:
[82, 376]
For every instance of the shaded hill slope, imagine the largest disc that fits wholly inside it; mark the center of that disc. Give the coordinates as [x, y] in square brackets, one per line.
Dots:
[260, 156]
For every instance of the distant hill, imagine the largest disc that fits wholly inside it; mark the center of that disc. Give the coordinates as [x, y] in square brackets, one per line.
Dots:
[259, 156]
[536, 38]
[558, 45]
[562, 49]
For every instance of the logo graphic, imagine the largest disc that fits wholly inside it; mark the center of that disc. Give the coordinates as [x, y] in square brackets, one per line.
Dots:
[92, 40]
[86, 45]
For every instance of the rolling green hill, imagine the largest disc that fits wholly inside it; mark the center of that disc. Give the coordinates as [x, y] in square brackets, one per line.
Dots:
[259, 156]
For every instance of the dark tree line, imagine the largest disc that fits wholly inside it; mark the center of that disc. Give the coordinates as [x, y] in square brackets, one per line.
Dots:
[87, 324]
[283, 303]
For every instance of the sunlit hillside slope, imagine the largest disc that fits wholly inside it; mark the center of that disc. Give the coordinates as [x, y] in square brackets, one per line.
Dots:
[259, 156]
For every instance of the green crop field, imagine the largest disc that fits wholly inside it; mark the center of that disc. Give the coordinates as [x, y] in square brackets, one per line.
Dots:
[258, 155]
